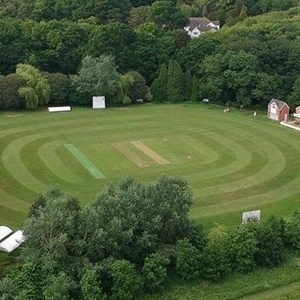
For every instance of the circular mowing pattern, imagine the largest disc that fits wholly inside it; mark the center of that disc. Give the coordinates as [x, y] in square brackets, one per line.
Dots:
[272, 183]
[237, 163]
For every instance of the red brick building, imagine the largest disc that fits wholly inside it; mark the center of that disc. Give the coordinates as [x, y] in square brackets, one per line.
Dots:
[278, 110]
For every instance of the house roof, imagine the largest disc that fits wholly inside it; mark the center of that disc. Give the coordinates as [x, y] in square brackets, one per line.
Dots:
[279, 103]
[203, 24]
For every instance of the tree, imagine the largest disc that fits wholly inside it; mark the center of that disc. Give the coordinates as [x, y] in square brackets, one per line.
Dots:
[271, 5]
[159, 87]
[90, 286]
[52, 233]
[60, 86]
[13, 46]
[30, 281]
[188, 260]
[165, 14]
[155, 272]
[187, 85]
[127, 283]
[175, 85]
[242, 248]
[139, 88]
[117, 40]
[9, 96]
[58, 287]
[270, 247]
[138, 15]
[294, 98]
[97, 76]
[195, 89]
[37, 89]
[111, 11]
[292, 234]
[55, 46]
[124, 85]
[135, 220]
[8, 288]
[216, 264]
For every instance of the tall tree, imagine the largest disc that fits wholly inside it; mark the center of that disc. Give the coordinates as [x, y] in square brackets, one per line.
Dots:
[60, 88]
[51, 233]
[123, 91]
[175, 85]
[162, 82]
[37, 90]
[9, 96]
[165, 14]
[97, 76]
[188, 83]
[139, 88]
[195, 89]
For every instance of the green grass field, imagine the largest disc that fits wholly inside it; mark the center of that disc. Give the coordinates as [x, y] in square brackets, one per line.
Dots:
[232, 161]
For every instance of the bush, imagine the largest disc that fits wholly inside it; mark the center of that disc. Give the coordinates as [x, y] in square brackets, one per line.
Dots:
[270, 248]
[241, 250]
[188, 260]
[155, 272]
[216, 263]
[127, 283]
[293, 231]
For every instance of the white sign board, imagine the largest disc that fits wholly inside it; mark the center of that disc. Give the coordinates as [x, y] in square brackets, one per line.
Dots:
[98, 102]
[249, 216]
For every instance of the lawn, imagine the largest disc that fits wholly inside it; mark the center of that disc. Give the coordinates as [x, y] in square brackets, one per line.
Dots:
[232, 161]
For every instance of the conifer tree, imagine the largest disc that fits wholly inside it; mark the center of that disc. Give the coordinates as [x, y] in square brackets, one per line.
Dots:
[188, 79]
[159, 85]
[195, 89]
[175, 90]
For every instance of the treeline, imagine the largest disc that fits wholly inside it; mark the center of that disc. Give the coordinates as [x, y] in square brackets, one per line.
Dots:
[246, 64]
[131, 11]
[130, 240]
[30, 88]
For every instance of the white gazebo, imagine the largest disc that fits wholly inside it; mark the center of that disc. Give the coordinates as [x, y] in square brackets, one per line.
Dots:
[12, 242]
[4, 232]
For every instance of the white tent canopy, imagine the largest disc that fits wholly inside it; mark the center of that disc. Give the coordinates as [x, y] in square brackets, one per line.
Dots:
[12, 242]
[4, 232]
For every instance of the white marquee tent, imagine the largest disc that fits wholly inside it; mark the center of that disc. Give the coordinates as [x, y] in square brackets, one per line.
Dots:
[4, 232]
[12, 242]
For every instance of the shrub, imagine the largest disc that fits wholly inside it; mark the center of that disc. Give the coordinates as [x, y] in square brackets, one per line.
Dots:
[155, 272]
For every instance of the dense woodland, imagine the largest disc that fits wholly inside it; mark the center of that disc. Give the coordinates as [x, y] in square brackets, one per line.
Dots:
[63, 52]
[131, 240]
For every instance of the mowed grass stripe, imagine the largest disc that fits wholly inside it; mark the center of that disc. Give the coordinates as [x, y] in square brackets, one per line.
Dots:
[85, 161]
[12, 162]
[47, 153]
[233, 157]
[150, 153]
[275, 165]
